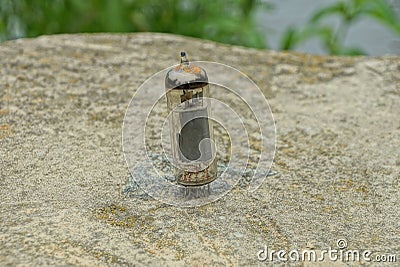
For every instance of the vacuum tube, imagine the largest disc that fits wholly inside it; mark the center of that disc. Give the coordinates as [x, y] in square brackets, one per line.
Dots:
[193, 149]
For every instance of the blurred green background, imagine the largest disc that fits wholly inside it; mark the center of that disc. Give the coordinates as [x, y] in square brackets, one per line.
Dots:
[229, 21]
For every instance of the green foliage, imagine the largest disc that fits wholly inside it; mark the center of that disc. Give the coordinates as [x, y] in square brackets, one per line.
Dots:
[349, 11]
[227, 21]
[224, 21]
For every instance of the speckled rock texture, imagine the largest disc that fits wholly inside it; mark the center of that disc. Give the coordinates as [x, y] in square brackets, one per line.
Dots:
[63, 173]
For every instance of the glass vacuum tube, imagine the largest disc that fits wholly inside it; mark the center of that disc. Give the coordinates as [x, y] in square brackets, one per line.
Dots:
[193, 149]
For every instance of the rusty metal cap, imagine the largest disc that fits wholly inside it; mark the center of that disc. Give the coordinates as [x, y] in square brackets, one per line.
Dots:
[186, 75]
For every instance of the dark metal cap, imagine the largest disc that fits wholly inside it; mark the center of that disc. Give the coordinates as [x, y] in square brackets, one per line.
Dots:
[186, 75]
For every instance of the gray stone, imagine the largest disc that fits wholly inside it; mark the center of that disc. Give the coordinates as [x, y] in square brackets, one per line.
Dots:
[63, 174]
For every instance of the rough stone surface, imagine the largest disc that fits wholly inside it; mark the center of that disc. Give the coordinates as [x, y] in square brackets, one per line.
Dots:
[62, 102]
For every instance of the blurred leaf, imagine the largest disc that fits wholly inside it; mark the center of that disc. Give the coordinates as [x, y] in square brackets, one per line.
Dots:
[381, 11]
[347, 10]
[337, 8]
[290, 39]
[332, 39]
[352, 51]
[229, 21]
[224, 21]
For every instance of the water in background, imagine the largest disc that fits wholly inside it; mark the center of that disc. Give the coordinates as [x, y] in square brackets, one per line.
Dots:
[369, 35]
